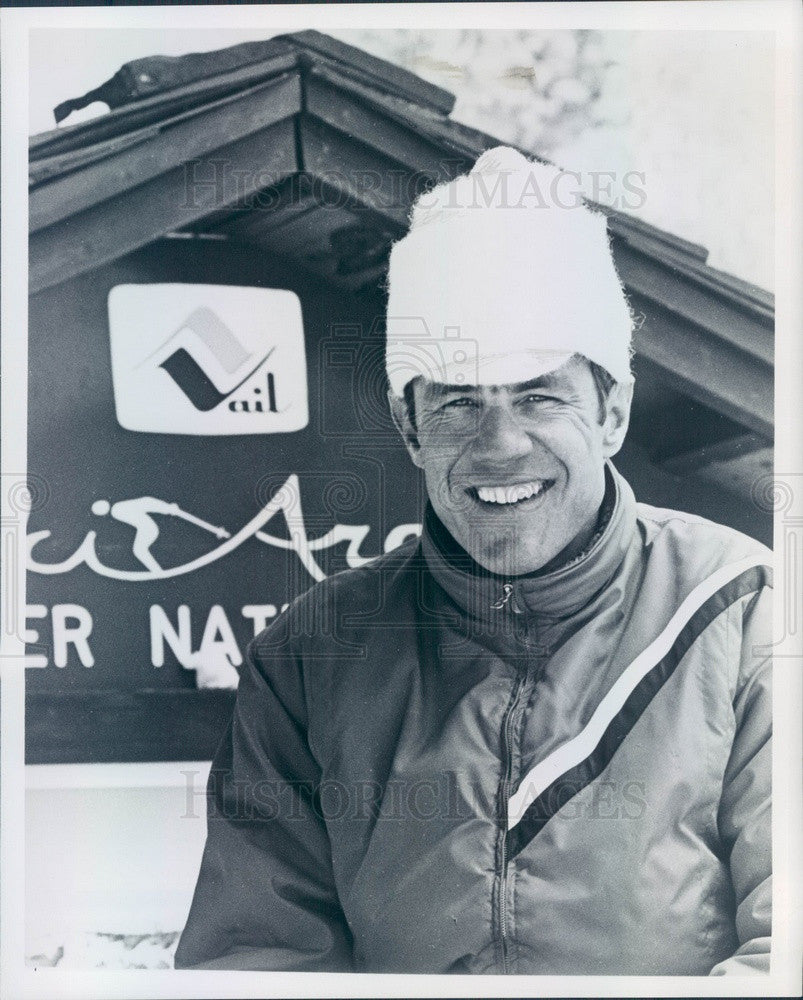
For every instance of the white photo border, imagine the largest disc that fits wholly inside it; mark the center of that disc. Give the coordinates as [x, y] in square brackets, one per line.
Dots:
[784, 18]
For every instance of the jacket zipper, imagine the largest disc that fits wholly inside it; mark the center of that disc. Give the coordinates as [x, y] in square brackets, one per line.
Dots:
[507, 751]
[507, 590]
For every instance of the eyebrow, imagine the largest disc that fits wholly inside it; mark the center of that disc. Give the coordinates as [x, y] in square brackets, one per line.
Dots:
[547, 381]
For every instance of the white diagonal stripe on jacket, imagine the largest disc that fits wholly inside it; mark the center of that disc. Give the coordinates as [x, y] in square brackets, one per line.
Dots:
[575, 750]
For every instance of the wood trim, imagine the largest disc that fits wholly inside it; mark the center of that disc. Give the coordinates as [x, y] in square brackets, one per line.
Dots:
[333, 159]
[178, 141]
[51, 167]
[689, 293]
[316, 49]
[108, 230]
[153, 110]
[353, 113]
[448, 135]
[709, 370]
[379, 74]
[691, 462]
[680, 255]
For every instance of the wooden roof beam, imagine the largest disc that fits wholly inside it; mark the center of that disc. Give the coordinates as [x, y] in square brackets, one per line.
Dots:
[161, 106]
[738, 447]
[136, 217]
[713, 372]
[686, 291]
[176, 141]
[217, 157]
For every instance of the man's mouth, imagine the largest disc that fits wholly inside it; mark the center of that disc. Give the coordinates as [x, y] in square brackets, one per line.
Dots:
[511, 496]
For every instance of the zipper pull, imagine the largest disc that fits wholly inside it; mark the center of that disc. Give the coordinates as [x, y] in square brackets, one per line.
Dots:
[507, 592]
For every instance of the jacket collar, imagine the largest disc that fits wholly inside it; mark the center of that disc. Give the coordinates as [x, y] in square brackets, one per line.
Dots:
[556, 594]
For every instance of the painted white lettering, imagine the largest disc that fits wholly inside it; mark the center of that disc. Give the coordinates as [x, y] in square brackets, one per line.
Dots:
[259, 615]
[65, 635]
[217, 624]
[286, 502]
[162, 631]
[30, 636]
[400, 534]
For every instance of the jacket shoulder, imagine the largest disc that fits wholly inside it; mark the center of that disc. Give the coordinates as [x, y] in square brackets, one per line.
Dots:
[350, 590]
[360, 583]
[695, 542]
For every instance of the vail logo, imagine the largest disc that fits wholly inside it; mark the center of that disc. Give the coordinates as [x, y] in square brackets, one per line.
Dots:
[190, 377]
[207, 359]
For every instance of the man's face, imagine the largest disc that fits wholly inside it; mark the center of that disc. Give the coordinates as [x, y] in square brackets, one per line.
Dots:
[516, 472]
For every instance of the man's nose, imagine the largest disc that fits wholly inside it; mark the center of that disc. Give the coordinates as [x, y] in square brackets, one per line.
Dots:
[500, 437]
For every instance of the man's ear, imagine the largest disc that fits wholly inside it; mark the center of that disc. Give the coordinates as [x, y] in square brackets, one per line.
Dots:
[405, 426]
[617, 417]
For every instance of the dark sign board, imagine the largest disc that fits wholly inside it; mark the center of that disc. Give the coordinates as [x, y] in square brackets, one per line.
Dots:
[199, 457]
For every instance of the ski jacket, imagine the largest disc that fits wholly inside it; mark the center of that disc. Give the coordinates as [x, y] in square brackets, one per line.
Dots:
[434, 769]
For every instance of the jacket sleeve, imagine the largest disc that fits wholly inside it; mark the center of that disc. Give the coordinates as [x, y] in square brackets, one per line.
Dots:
[266, 897]
[745, 806]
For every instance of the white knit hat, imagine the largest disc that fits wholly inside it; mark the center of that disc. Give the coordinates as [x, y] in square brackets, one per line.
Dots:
[499, 282]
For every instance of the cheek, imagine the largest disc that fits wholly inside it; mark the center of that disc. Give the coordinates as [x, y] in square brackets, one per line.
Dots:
[572, 440]
[436, 464]
[570, 421]
[439, 452]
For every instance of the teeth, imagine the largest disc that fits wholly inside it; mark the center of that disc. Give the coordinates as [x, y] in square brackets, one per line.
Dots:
[509, 494]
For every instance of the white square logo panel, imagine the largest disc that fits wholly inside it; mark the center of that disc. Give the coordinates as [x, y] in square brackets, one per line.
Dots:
[208, 359]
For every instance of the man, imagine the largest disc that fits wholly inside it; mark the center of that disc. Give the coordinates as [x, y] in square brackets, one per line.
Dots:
[538, 740]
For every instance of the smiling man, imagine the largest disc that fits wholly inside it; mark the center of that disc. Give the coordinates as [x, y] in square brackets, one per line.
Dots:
[515, 473]
[538, 739]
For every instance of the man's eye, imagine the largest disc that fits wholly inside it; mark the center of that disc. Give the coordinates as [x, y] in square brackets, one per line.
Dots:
[458, 401]
[537, 397]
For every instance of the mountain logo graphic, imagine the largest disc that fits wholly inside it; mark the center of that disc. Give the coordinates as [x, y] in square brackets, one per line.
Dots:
[190, 377]
[208, 359]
